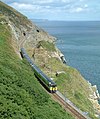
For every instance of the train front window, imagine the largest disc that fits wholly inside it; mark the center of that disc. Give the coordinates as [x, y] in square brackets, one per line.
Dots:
[50, 84]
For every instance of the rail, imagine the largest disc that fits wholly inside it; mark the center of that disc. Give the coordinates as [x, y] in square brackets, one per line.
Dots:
[68, 105]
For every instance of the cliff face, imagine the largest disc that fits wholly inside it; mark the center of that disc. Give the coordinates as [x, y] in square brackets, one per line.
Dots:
[40, 46]
[22, 27]
[24, 32]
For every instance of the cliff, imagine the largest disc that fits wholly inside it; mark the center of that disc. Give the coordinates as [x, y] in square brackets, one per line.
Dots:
[41, 48]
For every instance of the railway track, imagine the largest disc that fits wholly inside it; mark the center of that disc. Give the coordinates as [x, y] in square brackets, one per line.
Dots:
[68, 107]
[67, 104]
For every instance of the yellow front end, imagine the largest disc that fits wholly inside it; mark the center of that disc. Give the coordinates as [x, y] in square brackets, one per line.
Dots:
[54, 89]
[50, 89]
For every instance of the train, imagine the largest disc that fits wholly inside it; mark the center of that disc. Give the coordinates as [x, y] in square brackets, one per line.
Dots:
[49, 84]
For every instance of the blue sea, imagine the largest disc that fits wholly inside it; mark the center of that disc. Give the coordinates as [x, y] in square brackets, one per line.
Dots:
[79, 41]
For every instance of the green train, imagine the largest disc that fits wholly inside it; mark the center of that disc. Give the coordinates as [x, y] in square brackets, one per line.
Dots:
[46, 81]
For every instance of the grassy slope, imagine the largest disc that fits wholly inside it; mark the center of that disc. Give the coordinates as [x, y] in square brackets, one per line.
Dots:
[14, 16]
[21, 95]
[70, 83]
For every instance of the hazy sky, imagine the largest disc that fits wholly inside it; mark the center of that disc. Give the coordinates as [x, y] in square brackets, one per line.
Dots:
[58, 9]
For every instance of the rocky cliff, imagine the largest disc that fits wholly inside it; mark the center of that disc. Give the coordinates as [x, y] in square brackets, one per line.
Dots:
[41, 48]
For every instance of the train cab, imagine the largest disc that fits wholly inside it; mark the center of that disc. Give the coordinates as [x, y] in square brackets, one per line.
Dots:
[53, 88]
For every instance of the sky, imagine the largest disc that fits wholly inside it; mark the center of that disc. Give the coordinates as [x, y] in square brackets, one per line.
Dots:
[67, 10]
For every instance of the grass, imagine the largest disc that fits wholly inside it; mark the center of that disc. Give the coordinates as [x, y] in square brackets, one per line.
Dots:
[47, 45]
[76, 89]
[21, 95]
[14, 16]
[69, 82]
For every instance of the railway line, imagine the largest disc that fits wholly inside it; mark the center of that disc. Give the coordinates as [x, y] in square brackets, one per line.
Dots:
[52, 88]
[68, 106]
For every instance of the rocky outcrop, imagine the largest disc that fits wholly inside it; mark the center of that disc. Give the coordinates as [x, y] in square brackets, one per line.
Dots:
[23, 28]
[25, 32]
[94, 97]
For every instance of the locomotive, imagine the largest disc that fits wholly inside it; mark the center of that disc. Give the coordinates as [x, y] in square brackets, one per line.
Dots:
[45, 80]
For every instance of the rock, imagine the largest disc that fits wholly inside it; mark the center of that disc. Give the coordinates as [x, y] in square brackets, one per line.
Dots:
[94, 97]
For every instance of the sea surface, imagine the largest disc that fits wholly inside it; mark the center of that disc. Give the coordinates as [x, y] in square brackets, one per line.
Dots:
[79, 41]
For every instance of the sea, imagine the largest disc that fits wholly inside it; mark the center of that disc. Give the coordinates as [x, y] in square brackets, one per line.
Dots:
[79, 41]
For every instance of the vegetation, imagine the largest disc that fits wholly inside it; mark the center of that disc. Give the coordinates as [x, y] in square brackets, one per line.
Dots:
[13, 15]
[69, 81]
[46, 45]
[21, 95]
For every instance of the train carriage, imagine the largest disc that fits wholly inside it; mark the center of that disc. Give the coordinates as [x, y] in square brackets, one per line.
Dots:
[46, 81]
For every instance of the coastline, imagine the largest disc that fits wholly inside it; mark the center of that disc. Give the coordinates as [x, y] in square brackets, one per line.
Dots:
[79, 42]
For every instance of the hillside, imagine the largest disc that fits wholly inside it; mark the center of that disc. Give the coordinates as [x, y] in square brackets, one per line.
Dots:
[21, 94]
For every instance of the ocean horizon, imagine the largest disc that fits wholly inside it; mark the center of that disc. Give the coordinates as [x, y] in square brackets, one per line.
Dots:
[79, 41]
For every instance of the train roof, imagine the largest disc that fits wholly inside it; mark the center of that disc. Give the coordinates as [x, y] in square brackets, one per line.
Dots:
[36, 68]
[47, 78]
[42, 74]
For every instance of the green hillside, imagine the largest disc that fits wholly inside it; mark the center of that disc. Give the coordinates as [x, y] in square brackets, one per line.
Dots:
[69, 81]
[21, 95]
[13, 15]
